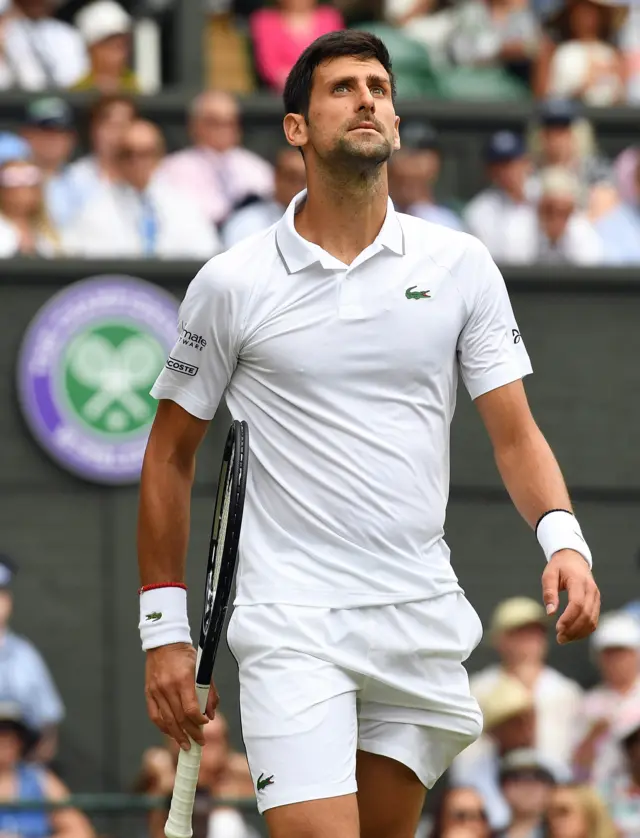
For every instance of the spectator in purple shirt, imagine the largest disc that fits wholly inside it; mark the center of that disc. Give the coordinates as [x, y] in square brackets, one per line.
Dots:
[217, 172]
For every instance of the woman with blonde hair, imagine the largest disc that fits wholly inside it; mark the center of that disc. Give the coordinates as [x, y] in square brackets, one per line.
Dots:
[578, 812]
[25, 228]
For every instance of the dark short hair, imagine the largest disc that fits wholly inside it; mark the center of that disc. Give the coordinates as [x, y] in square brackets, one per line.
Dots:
[100, 108]
[346, 43]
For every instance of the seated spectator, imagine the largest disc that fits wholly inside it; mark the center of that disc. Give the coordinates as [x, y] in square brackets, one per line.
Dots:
[622, 792]
[290, 179]
[586, 65]
[616, 647]
[495, 214]
[280, 35]
[509, 724]
[38, 51]
[50, 131]
[578, 812]
[25, 228]
[217, 172]
[526, 783]
[564, 139]
[24, 677]
[137, 216]
[109, 119]
[495, 32]
[626, 175]
[460, 812]
[20, 780]
[616, 223]
[519, 634]
[413, 174]
[106, 30]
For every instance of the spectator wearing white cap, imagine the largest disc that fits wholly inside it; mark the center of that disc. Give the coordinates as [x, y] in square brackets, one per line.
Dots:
[509, 724]
[526, 781]
[106, 29]
[622, 791]
[38, 52]
[616, 650]
[519, 634]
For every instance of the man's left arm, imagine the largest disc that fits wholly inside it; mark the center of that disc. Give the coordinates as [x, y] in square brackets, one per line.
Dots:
[532, 477]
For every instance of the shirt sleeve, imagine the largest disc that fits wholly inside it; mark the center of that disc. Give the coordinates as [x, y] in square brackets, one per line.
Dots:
[44, 705]
[491, 351]
[202, 361]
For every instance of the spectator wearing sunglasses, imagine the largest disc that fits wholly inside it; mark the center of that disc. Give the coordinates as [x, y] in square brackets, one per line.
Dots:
[461, 813]
[139, 217]
[526, 783]
[25, 228]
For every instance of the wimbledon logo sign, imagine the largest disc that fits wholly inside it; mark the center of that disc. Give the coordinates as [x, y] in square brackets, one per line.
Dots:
[86, 365]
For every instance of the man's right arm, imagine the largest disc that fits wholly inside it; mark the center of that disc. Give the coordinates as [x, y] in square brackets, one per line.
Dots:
[163, 535]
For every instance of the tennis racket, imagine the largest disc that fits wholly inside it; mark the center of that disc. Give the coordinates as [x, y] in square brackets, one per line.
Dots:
[223, 551]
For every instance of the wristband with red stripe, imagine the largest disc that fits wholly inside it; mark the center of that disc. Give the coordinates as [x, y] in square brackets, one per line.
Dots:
[157, 585]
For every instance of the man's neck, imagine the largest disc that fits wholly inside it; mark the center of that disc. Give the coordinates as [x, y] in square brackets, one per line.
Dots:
[625, 687]
[523, 827]
[108, 168]
[527, 672]
[343, 215]
[515, 195]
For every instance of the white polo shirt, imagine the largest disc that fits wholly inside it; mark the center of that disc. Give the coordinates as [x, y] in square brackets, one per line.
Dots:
[347, 377]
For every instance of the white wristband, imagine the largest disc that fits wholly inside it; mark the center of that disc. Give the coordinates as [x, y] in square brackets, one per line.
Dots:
[560, 530]
[163, 617]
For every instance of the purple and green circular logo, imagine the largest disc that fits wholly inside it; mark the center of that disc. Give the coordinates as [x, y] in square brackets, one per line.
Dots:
[86, 365]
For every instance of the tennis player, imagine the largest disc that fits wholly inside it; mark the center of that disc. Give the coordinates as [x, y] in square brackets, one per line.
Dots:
[339, 335]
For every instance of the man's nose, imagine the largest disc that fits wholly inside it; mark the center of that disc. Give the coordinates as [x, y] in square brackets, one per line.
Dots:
[367, 101]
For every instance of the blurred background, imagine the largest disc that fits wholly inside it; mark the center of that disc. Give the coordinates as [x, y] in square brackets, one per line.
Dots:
[137, 140]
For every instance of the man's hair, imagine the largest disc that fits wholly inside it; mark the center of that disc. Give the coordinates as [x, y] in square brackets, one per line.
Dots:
[100, 107]
[347, 43]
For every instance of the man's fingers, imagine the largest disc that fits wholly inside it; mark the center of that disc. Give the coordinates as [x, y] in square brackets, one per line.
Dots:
[550, 586]
[193, 719]
[578, 619]
[171, 725]
[175, 699]
[212, 701]
[154, 713]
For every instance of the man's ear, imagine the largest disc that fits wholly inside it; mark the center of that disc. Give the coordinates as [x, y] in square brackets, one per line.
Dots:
[296, 129]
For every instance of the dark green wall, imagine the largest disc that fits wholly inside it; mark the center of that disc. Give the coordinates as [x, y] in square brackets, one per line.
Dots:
[76, 592]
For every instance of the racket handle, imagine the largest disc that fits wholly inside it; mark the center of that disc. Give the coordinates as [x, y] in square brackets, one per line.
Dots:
[178, 823]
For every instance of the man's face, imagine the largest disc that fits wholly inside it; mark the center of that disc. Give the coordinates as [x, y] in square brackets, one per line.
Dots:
[51, 147]
[411, 176]
[10, 748]
[291, 176]
[35, 8]
[511, 175]
[525, 644]
[108, 131]
[217, 124]
[619, 666]
[111, 54]
[527, 794]
[352, 119]
[558, 144]
[139, 156]
[516, 732]
[6, 606]
[554, 213]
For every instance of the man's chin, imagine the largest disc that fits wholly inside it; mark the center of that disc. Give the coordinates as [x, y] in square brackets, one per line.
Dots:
[371, 150]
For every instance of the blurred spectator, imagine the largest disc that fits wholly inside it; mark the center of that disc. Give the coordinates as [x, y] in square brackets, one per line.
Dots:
[495, 32]
[526, 784]
[290, 179]
[280, 35]
[137, 216]
[20, 780]
[413, 174]
[13, 147]
[560, 233]
[629, 43]
[617, 225]
[586, 65]
[496, 215]
[106, 30]
[460, 811]
[25, 228]
[24, 677]
[578, 812]
[627, 166]
[564, 139]
[622, 792]
[50, 131]
[38, 51]
[519, 633]
[509, 724]
[616, 647]
[216, 171]
[109, 119]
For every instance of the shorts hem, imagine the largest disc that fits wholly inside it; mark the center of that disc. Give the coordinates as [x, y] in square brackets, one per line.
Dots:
[306, 793]
[400, 755]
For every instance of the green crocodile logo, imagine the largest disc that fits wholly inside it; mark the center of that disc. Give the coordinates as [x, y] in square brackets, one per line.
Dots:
[263, 782]
[410, 294]
[154, 616]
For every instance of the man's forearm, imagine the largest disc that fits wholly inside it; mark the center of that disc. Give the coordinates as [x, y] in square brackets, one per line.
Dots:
[532, 476]
[163, 521]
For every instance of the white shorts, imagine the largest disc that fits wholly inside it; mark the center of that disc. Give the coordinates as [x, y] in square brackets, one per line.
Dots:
[316, 684]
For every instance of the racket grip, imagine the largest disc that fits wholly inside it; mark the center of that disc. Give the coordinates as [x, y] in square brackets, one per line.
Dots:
[178, 823]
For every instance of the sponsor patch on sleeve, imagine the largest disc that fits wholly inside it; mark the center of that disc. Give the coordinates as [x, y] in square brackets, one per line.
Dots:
[175, 365]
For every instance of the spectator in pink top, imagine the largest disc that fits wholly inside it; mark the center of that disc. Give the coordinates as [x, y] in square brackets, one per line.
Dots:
[281, 34]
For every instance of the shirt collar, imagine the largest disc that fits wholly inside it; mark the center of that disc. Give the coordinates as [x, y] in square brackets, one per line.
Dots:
[297, 253]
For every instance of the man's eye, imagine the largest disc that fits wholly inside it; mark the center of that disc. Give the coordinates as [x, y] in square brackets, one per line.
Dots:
[340, 88]
[378, 90]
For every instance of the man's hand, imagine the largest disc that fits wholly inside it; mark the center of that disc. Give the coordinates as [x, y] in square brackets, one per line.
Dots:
[171, 694]
[568, 571]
